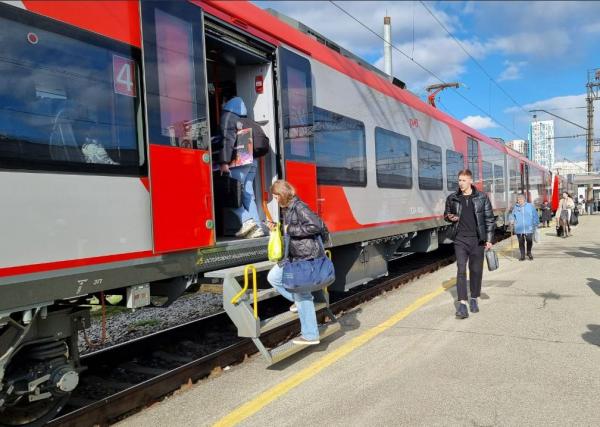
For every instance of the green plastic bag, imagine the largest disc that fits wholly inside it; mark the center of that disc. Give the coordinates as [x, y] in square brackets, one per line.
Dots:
[275, 247]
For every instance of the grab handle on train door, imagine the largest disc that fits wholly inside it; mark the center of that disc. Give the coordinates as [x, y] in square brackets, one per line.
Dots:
[263, 190]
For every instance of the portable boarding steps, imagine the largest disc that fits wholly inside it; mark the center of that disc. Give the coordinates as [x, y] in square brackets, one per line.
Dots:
[242, 307]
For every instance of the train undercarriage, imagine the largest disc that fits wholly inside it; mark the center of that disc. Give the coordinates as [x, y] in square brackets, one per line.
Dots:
[39, 363]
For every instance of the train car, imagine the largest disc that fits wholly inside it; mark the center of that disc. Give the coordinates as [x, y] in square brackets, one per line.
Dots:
[107, 111]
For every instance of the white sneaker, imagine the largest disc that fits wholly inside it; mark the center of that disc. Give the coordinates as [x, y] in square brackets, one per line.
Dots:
[293, 308]
[258, 232]
[247, 228]
[303, 341]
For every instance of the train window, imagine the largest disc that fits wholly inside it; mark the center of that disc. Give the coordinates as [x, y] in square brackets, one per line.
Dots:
[393, 159]
[430, 166]
[296, 106]
[488, 176]
[69, 99]
[339, 149]
[473, 157]
[174, 76]
[455, 162]
[514, 180]
[498, 179]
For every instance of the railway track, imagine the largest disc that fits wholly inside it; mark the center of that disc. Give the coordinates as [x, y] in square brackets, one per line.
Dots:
[127, 377]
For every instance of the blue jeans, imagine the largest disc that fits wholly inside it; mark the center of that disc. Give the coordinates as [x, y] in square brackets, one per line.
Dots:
[245, 174]
[304, 303]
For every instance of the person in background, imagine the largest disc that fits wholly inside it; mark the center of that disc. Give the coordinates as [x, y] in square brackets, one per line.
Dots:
[303, 227]
[563, 213]
[231, 122]
[471, 213]
[576, 211]
[546, 214]
[582, 205]
[524, 219]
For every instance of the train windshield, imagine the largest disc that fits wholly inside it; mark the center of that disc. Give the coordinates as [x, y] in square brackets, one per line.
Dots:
[66, 103]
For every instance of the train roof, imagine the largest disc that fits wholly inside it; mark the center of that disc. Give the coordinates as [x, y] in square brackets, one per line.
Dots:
[303, 38]
[334, 46]
[120, 20]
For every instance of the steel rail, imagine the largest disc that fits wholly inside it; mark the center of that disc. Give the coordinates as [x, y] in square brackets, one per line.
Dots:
[117, 406]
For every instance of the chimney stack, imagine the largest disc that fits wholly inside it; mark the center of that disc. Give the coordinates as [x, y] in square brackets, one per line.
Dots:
[387, 45]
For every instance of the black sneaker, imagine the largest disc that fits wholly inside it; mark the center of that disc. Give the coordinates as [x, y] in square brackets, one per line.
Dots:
[473, 305]
[530, 257]
[462, 312]
[522, 258]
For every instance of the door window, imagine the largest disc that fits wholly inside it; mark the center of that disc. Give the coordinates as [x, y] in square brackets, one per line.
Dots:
[297, 106]
[174, 73]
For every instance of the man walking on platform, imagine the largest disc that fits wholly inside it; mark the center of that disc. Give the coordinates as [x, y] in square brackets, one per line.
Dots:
[471, 213]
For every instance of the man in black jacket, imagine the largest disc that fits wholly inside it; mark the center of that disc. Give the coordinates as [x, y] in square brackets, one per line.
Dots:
[471, 213]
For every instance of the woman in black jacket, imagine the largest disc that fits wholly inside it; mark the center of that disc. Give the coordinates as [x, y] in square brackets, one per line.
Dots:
[303, 227]
[546, 214]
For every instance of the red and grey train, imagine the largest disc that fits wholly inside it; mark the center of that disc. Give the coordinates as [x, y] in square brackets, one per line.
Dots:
[106, 114]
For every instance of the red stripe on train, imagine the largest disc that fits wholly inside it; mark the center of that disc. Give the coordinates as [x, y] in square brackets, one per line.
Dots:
[116, 19]
[337, 213]
[82, 262]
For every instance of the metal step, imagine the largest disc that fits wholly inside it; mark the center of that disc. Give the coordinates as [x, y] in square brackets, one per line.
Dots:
[264, 294]
[239, 270]
[288, 348]
[283, 318]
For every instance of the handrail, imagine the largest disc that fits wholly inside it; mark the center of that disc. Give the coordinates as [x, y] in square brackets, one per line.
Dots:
[236, 298]
[328, 255]
[263, 190]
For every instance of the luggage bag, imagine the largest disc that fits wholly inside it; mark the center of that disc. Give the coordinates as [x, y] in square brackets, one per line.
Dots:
[227, 191]
[492, 259]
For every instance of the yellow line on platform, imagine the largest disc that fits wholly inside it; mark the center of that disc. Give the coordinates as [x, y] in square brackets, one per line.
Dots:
[250, 408]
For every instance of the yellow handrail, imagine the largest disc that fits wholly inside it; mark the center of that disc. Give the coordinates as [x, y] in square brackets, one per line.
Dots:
[236, 298]
[328, 255]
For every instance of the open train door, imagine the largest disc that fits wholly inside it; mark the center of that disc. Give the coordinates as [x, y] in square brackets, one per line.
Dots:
[295, 85]
[525, 181]
[555, 193]
[176, 125]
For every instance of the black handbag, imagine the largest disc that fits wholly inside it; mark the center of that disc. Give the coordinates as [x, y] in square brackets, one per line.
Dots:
[227, 191]
[574, 219]
[492, 259]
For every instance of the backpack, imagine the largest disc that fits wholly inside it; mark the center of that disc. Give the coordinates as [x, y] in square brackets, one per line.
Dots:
[260, 141]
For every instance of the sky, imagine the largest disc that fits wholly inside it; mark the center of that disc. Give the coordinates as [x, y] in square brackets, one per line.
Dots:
[510, 57]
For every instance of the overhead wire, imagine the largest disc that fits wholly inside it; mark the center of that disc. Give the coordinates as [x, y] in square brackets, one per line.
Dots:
[424, 69]
[472, 58]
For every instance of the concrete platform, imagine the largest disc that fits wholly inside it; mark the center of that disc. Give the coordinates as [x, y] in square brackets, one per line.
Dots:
[530, 357]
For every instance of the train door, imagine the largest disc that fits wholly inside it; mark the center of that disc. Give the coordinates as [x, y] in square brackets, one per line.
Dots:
[525, 181]
[473, 161]
[295, 85]
[240, 65]
[176, 125]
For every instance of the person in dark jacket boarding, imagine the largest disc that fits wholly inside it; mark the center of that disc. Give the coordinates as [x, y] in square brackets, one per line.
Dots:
[473, 223]
[303, 227]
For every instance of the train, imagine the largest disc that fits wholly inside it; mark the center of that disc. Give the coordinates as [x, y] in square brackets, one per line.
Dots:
[107, 110]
